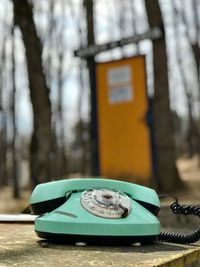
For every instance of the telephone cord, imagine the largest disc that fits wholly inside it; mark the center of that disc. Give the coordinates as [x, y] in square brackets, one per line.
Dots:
[182, 238]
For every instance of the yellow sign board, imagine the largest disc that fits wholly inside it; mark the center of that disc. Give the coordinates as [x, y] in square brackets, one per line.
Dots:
[124, 141]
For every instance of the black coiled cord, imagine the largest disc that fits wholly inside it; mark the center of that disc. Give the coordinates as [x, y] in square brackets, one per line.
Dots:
[182, 238]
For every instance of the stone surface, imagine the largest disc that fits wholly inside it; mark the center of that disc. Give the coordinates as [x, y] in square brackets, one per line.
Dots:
[19, 246]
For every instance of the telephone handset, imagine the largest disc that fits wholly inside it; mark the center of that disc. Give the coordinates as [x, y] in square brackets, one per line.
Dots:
[99, 211]
[48, 196]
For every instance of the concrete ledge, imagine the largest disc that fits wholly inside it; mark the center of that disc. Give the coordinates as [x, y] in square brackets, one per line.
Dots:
[19, 247]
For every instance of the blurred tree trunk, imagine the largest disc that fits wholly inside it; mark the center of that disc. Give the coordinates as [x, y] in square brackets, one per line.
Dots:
[39, 93]
[15, 177]
[196, 52]
[134, 26]
[192, 137]
[50, 37]
[164, 133]
[56, 76]
[121, 14]
[195, 44]
[3, 121]
[88, 4]
[193, 132]
[81, 125]
[4, 148]
[62, 158]
[49, 72]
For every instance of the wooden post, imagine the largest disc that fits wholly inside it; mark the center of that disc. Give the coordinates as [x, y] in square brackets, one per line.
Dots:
[88, 4]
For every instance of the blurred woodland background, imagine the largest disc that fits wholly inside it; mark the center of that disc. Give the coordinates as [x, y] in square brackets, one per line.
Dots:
[47, 103]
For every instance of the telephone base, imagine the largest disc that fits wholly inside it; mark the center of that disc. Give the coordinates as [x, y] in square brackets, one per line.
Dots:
[95, 211]
[95, 240]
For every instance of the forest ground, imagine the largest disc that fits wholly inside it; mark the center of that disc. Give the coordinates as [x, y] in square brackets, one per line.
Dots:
[189, 170]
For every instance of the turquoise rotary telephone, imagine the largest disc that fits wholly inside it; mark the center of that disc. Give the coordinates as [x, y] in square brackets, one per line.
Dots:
[101, 211]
